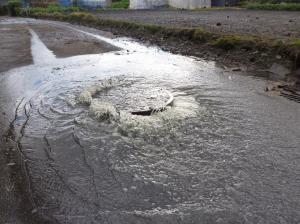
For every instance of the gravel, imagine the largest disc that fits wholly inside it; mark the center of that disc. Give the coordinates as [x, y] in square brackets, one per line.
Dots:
[272, 24]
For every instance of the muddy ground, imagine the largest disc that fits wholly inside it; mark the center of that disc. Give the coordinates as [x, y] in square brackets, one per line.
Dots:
[65, 44]
[15, 47]
[15, 43]
[222, 155]
[271, 24]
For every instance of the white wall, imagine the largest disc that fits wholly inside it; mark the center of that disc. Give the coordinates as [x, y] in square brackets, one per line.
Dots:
[182, 4]
[147, 4]
[190, 4]
[158, 3]
[139, 4]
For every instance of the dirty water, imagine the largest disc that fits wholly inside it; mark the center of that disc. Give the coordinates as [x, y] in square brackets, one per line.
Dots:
[224, 152]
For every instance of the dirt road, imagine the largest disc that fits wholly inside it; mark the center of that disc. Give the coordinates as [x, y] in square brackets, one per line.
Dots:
[73, 153]
[282, 25]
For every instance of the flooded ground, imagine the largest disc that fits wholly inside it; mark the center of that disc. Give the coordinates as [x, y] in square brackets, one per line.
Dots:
[224, 151]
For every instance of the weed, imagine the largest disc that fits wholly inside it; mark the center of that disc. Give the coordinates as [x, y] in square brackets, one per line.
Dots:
[296, 44]
[3, 10]
[235, 42]
[272, 6]
[14, 7]
[121, 4]
[201, 35]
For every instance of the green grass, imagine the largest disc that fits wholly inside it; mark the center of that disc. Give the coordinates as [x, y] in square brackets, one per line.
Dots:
[271, 6]
[235, 42]
[122, 4]
[14, 7]
[52, 8]
[297, 44]
[201, 35]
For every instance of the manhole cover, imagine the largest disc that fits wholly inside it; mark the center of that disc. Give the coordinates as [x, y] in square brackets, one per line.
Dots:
[139, 100]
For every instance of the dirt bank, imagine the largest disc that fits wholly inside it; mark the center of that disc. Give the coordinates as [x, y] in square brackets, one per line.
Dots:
[270, 24]
[282, 27]
[247, 53]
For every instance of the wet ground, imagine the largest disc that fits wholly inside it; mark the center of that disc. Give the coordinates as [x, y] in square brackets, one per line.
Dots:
[270, 24]
[224, 151]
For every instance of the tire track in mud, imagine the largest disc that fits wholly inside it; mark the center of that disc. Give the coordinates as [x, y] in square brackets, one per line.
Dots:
[51, 164]
[88, 166]
[20, 173]
[91, 170]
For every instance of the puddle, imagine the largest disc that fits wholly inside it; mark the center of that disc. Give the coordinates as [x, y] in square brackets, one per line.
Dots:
[219, 154]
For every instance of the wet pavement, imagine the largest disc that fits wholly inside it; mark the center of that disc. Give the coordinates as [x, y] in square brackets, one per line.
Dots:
[224, 152]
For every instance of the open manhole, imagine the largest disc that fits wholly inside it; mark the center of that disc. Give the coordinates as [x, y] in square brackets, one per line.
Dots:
[137, 99]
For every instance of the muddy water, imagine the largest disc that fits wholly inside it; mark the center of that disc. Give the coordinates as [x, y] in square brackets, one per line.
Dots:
[225, 152]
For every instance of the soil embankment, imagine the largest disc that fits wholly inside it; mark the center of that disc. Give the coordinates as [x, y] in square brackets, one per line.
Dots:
[225, 42]
[269, 24]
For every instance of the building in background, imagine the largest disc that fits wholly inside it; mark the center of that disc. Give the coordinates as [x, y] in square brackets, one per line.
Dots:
[92, 4]
[89, 4]
[182, 4]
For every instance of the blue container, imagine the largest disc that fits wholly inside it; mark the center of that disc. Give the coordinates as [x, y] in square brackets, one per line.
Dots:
[91, 4]
[66, 3]
[218, 3]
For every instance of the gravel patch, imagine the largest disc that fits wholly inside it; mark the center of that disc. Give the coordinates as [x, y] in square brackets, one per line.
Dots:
[272, 24]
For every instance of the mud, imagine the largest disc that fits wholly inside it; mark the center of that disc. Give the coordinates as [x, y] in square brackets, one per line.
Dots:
[220, 154]
[15, 43]
[15, 47]
[70, 43]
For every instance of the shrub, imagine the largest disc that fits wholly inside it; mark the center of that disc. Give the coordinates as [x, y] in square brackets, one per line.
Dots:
[14, 7]
[201, 35]
[3, 10]
[52, 8]
[235, 42]
[122, 4]
[296, 44]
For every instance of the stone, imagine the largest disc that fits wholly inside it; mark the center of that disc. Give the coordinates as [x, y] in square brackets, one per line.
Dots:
[279, 70]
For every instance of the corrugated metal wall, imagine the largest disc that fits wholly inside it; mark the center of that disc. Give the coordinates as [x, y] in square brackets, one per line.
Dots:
[190, 4]
[182, 4]
[147, 4]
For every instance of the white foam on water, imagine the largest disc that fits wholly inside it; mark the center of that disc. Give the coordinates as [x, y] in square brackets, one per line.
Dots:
[86, 96]
[183, 107]
[103, 111]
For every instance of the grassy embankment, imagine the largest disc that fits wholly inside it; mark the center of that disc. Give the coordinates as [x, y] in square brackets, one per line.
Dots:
[196, 35]
[273, 6]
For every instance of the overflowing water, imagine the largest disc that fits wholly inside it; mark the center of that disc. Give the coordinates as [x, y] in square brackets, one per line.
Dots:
[224, 152]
